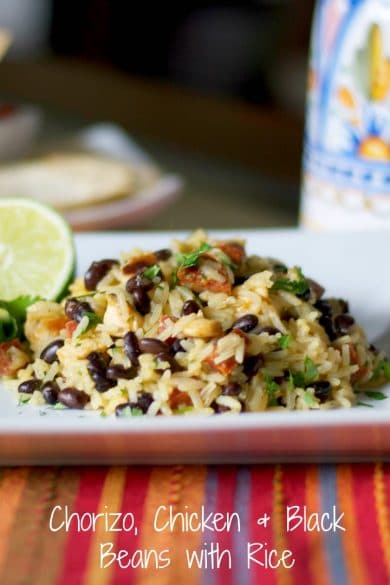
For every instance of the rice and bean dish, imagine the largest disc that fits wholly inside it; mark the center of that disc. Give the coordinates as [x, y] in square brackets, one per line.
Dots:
[198, 328]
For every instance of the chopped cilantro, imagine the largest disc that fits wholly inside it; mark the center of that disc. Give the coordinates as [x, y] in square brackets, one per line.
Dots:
[383, 367]
[296, 287]
[375, 395]
[311, 371]
[129, 412]
[298, 379]
[152, 272]
[284, 341]
[309, 374]
[272, 388]
[183, 409]
[191, 259]
[13, 316]
[59, 406]
[309, 398]
[90, 323]
[24, 400]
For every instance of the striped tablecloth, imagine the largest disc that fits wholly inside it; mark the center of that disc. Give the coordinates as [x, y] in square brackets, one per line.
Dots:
[31, 554]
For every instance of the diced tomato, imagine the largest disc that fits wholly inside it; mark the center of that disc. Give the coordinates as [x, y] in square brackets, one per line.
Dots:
[193, 279]
[6, 367]
[178, 399]
[353, 354]
[225, 368]
[234, 250]
[70, 326]
[357, 376]
[362, 371]
[56, 324]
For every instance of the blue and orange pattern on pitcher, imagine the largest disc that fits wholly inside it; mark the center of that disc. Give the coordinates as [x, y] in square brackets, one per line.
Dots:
[346, 179]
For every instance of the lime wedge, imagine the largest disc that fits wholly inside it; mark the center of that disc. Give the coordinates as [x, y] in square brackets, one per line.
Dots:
[37, 254]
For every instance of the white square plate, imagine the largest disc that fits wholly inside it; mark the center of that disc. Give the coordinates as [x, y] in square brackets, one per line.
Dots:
[353, 266]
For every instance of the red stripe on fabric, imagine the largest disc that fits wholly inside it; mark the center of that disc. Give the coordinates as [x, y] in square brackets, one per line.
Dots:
[368, 536]
[77, 546]
[262, 490]
[137, 482]
[294, 490]
[386, 520]
[226, 486]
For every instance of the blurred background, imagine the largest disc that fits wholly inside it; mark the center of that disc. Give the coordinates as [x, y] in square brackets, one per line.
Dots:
[214, 92]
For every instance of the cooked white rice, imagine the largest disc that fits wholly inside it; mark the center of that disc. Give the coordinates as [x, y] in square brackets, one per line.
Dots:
[296, 351]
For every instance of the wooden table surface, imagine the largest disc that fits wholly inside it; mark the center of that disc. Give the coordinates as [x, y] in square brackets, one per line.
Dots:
[241, 163]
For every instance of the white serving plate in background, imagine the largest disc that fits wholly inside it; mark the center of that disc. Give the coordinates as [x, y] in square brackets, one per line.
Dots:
[110, 140]
[353, 266]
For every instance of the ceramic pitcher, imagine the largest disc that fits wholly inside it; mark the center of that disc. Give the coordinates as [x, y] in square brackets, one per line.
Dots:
[346, 161]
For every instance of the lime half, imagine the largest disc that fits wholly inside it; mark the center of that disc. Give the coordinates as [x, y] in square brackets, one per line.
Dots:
[37, 254]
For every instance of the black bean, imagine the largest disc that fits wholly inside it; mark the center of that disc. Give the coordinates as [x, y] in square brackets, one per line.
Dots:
[102, 383]
[327, 323]
[240, 280]
[49, 354]
[190, 307]
[136, 267]
[280, 379]
[343, 324]
[97, 363]
[176, 346]
[246, 323]
[332, 306]
[97, 271]
[141, 301]
[268, 329]
[143, 402]
[138, 281]
[50, 392]
[97, 369]
[29, 386]
[219, 408]
[252, 364]
[152, 345]
[119, 372]
[73, 398]
[324, 307]
[75, 309]
[373, 349]
[321, 389]
[231, 389]
[132, 348]
[316, 289]
[163, 254]
[166, 357]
